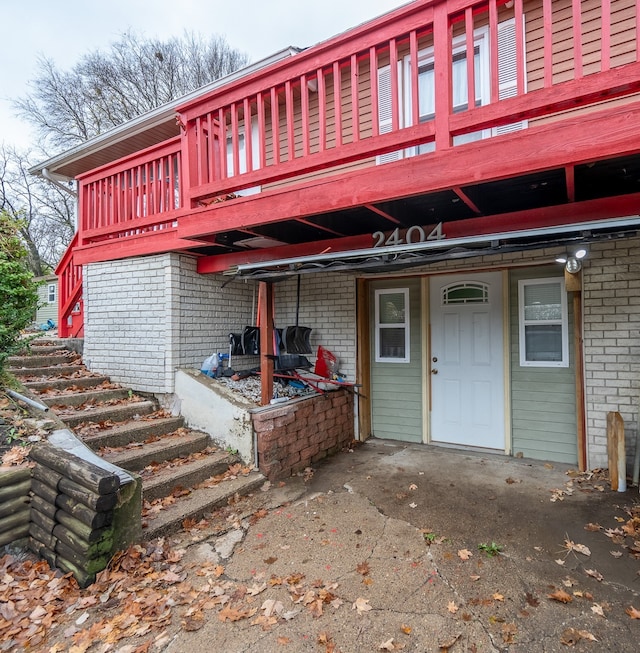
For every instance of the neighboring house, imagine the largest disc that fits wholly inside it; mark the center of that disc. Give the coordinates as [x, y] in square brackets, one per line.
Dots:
[47, 299]
[420, 175]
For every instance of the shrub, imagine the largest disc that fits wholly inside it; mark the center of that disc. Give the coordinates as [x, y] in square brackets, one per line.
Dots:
[18, 291]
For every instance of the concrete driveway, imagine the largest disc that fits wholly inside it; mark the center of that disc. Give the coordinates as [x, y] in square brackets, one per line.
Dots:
[378, 549]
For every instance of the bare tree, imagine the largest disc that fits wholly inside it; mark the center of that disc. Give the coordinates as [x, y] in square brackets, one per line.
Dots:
[45, 212]
[105, 89]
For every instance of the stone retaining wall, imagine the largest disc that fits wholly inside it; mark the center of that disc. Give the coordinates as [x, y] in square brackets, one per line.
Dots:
[296, 434]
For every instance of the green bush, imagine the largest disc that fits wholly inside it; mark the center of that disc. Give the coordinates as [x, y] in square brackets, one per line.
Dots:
[18, 291]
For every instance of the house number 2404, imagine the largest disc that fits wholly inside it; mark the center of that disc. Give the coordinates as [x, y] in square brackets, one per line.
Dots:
[415, 234]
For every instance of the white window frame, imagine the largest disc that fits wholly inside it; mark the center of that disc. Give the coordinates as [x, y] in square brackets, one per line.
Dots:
[51, 293]
[563, 321]
[242, 151]
[395, 325]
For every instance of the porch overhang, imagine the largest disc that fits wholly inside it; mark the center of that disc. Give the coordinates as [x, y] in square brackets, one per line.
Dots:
[399, 257]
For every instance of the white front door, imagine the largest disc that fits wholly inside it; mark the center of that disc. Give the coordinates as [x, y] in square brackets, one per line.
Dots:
[466, 365]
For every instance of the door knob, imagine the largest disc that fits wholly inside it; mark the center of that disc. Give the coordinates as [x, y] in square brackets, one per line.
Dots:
[434, 371]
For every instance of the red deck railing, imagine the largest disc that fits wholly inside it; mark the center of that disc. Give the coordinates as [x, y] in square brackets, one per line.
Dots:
[332, 105]
[425, 77]
[70, 304]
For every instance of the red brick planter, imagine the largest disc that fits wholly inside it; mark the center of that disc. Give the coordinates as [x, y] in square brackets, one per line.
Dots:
[294, 435]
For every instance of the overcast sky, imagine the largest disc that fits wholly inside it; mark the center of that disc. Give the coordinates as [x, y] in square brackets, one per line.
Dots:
[64, 31]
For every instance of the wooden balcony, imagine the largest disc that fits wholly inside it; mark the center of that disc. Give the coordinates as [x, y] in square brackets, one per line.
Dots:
[482, 113]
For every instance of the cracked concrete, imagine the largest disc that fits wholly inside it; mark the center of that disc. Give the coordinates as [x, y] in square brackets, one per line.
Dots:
[355, 534]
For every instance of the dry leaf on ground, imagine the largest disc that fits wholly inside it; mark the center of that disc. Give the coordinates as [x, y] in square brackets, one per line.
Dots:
[561, 596]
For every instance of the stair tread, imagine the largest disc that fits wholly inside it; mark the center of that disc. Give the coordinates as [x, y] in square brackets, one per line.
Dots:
[201, 501]
[132, 427]
[175, 473]
[104, 413]
[77, 398]
[165, 447]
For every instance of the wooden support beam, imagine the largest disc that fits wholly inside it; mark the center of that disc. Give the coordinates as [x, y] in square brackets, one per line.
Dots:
[363, 364]
[265, 308]
[615, 449]
[573, 284]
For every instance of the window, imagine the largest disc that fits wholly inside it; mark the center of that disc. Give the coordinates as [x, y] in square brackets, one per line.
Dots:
[426, 86]
[467, 292]
[392, 325]
[51, 293]
[242, 158]
[544, 338]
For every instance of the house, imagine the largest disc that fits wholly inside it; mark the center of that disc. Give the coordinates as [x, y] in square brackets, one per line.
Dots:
[447, 196]
[47, 299]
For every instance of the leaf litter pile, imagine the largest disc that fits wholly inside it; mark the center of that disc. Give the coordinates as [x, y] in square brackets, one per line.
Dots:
[144, 591]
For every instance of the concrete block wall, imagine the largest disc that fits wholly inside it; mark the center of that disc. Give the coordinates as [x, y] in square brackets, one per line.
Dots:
[208, 308]
[128, 331]
[611, 283]
[148, 316]
[328, 306]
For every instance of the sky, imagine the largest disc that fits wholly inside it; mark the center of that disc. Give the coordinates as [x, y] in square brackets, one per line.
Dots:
[64, 31]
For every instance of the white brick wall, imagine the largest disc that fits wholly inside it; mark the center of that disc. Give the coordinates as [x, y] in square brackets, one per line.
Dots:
[126, 326]
[328, 307]
[611, 275]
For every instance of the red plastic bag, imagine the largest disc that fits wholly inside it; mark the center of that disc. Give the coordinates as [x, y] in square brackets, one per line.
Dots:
[326, 363]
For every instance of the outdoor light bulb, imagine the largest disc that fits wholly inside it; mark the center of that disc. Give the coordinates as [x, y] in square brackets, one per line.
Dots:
[561, 259]
[573, 265]
[580, 253]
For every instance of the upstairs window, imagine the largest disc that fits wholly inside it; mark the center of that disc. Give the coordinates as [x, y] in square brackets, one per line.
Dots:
[543, 318]
[426, 87]
[51, 293]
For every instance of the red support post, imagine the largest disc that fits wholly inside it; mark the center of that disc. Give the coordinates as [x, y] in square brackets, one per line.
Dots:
[265, 309]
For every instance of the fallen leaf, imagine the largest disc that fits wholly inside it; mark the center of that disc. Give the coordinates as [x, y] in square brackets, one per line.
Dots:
[596, 608]
[559, 561]
[452, 607]
[363, 568]
[271, 606]
[413, 505]
[390, 646]
[571, 636]
[632, 612]
[283, 641]
[464, 554]
[616, 554]
[561, 596]
[406, 629]
[413, 486]
[270, 560]
[361, 605]
[498, 597]
[594, 574]
[509, 632]
[579, 548]
[592, 527]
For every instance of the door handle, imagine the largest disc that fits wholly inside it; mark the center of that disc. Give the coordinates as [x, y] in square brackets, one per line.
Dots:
[434, 371]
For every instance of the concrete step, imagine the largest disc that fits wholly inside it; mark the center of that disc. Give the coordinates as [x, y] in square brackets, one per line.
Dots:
[168, 447]
[42, 373]
[90, 397]
[41, 350]
[198, 504]
[63, 384]
[133, 431]
[117, 413]
[161, 482]
[34, 360]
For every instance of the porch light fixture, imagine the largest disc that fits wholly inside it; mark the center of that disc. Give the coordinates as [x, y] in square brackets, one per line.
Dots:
[573, 265]
[572, 262]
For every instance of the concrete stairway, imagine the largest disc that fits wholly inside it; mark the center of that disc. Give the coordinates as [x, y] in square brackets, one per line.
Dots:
[183, 475]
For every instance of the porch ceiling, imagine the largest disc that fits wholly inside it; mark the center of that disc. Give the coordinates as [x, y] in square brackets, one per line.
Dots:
[497, 205]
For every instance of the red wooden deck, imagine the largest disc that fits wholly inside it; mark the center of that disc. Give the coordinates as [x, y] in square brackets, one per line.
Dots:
[307, 131]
